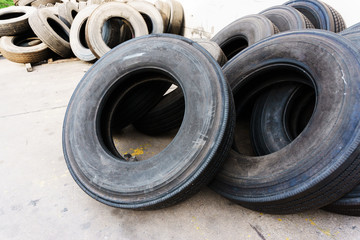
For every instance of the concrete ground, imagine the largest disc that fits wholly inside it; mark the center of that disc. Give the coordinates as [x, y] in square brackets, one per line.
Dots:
[40, 200]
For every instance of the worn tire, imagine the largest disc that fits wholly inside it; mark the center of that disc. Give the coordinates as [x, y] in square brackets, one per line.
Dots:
[67, 12]
[242, 33]
[77, 35]
[38, 3]
[354, 27]
[269, 125]
[17, 49]
[353, 35]
[51, 31]
[25, 2]
[321, 15]
[172, 175]
[286, 18]
[151, 15]
[176, 21]
[14, 20]
[165, 10]
[323, 163]
[111, 10]
[169, 112]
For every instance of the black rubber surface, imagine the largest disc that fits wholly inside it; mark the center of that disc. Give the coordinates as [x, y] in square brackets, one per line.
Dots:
[322, 163]
[193, 157]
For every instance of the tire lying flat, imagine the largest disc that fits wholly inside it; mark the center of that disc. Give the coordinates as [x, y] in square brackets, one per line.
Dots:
[24, 49]
[322, 164]
[173, 174]
[14, 20]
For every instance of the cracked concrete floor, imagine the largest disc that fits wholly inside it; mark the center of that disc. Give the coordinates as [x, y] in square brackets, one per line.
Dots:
[39, 199]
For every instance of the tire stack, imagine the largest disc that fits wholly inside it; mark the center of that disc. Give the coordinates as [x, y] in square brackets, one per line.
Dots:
[63, 30]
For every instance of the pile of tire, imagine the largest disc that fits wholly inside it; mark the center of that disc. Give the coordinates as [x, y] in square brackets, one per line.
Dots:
[37, 30]
[291, 84]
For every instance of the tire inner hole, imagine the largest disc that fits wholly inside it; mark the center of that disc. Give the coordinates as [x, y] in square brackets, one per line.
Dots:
[148, 22]
[58, 29]
[234, 45]
[121, 118]
[10, 15]
[115, 31]
[26, 41]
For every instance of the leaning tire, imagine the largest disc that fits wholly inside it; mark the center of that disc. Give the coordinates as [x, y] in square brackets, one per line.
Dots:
[242, 33]
[151, 16]
[67, 12]
[172, 175]
[321, 15]
[286, 18]
[52, 31]
[24, 49]
[14, 20]
[110, 10]
[323, 163]
[77, 35]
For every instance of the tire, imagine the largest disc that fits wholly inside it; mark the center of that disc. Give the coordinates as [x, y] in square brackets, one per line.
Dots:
[104, 12]
[14, 20]
[176, 21]
[214, 49]
[353, 35]
[242, 33]
[24, 49]
[286, 18]
[319, 14]
[51, 31]
[348, 204]
[38, 3]
[169, 112]
[67, 12]
[151, 15]
[339, 21]
[77, 35]
[267, 126]
[322, 164]
[144, 184]
[165, 10]
[25, 2]
[354, 27]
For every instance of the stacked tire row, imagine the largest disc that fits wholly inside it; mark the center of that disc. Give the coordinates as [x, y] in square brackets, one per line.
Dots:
[32, 34]
[298, 99]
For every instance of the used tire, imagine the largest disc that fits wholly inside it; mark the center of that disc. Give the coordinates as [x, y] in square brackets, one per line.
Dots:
[272, 125]
[107, 11]
[165, 11]
[172, 175]
[14, 20]
[67, 12]
[353, 35]
[77, 35]
[321, 15]
[24, 49]
[242, 33]
[320, 165]
[25, 2]
[51, 31]
[150, 14]
[286, 18]
[38, 3]
[176, 21]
